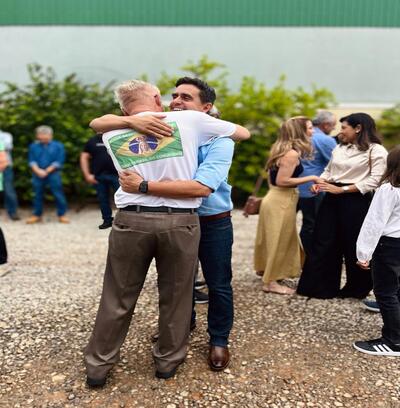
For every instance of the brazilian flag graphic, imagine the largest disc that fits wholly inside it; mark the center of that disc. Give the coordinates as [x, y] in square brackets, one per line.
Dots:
[133, 148]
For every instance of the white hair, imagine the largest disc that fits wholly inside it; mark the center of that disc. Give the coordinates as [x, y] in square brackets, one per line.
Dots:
[133, 90]
[48, 130]
[324, 117]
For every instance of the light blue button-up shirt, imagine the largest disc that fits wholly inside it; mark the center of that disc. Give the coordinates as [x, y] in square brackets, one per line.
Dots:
[322, 152]
[215, 159]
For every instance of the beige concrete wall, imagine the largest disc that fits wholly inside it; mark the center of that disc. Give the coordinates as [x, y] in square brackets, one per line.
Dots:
[356, 64]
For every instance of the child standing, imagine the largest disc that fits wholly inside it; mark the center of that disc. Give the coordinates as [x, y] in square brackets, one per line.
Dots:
[379, 240]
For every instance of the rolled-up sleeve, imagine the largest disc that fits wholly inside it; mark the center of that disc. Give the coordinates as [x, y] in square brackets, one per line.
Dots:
[59, 156]
[377, 168]
[32, 160]
[215, 168]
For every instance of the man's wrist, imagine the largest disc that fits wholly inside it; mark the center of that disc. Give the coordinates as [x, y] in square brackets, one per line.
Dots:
[131, 122]
[345, 189]
[143, 187]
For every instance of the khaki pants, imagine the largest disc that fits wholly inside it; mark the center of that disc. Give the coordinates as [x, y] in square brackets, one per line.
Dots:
[135, 239]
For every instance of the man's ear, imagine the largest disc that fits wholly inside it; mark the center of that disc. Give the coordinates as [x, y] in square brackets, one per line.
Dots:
[158, 100]
[207, 107]
[324, 126]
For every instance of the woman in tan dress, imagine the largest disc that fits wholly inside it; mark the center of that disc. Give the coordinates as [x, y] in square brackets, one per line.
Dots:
[278, 251]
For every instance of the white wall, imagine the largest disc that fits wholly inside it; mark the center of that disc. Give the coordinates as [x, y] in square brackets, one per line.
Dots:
[358, 65]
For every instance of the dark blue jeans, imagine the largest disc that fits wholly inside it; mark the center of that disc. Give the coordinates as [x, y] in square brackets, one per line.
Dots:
[215, 253]
[386, 277]
[53, 181]
[105, 183]
[10, 196]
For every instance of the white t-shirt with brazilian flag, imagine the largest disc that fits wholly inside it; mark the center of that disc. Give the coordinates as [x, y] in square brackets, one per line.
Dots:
[170, 158]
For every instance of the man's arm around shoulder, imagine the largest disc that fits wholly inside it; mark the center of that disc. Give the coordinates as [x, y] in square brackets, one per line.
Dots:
[151, 125]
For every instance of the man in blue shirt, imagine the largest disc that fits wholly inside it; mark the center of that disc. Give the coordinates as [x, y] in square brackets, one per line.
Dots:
[46, 158]
[323, 145]
[210, 182]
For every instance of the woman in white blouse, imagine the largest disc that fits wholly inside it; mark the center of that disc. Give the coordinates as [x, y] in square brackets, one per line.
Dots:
[379, 240]
[353, 173]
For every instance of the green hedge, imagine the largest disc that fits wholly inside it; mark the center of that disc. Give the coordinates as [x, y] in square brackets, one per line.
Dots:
[68, 106]
[389, 126]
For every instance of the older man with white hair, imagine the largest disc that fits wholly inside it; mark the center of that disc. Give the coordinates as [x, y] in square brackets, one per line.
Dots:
[46, 158]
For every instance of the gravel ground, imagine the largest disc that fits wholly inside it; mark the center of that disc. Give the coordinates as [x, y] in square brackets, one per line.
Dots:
[286, 351]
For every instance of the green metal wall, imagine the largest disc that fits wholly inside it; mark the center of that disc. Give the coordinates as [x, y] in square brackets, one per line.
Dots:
[324, 13]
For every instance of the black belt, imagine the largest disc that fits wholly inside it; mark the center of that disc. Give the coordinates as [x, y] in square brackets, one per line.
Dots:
[143, 208]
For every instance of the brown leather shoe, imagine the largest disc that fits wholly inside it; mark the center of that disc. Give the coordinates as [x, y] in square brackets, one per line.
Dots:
[33, 219]
[218, 358]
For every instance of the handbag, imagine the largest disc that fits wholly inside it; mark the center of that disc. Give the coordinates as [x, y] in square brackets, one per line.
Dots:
[253, 203]
[252, 206]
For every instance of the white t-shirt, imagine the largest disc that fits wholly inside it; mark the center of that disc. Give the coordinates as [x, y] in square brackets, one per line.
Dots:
[171, 158]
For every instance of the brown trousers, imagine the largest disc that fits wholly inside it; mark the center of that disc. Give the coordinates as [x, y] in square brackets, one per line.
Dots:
[135, 239]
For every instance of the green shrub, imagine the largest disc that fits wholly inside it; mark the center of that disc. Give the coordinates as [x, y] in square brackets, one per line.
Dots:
[389, 126]
[67, 106]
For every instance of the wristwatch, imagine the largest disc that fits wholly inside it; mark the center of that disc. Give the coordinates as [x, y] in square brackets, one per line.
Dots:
[143, 187]
[346, 189]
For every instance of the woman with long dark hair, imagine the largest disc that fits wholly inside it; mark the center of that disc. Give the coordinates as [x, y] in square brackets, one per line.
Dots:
[278, 253]
[353, 173]
[379, 240]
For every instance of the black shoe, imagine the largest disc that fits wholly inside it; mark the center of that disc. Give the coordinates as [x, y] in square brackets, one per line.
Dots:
[96, 383]
[199, 285]
[371, 305]
[377, 347]
[105, 225]
[200, 297]
[166, 374]
[15, 217]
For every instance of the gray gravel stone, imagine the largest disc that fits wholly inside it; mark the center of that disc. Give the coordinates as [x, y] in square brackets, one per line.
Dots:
[286, 351]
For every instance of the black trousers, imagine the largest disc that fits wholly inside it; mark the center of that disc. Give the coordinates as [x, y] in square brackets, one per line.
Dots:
[338, 224]
[3, 249]
[386, 277]
[309, 208]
